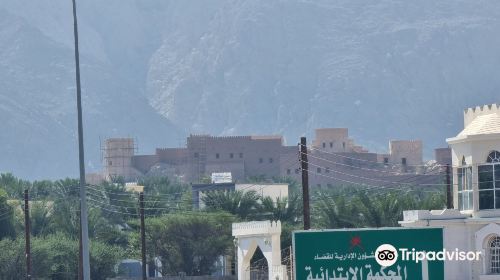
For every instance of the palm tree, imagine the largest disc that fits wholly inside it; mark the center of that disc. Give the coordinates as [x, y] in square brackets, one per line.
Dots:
[386, 209]
[239, 203]
[335, 212]
[286, 209]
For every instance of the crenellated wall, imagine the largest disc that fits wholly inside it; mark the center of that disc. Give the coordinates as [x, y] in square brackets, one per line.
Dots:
[340, 162]
[471, 113]
[256, 227]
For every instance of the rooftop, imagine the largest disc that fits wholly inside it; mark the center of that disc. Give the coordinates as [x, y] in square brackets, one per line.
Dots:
[479, 122]
[485, 124]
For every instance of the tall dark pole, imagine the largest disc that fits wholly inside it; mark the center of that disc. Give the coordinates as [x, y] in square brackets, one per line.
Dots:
[305, 182]
[84, 232]
[143, 235]
[449, 197]
[27, 234]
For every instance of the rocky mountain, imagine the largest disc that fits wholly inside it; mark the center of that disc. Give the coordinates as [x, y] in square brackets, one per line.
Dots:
[159, 70]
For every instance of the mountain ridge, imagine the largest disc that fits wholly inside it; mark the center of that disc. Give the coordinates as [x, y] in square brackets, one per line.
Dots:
[160, 71]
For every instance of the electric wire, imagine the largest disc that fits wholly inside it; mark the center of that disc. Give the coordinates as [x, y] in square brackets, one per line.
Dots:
[369, 179]
[369, 186]
[356, 167]
[365, 160]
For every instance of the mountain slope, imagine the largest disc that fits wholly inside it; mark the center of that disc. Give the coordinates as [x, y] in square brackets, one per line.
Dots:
[385, 70]
[158, 70]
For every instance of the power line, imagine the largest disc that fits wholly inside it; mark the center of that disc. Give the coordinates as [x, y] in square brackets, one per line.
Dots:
[370, 179]
[364, 184]
[363, 168]
[365, 160]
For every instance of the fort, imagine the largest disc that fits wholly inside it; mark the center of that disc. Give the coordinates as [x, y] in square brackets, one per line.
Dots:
[334, 159]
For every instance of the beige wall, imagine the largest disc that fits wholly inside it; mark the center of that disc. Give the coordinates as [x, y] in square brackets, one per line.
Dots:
[409, 149]
[247, 156]
[274, 191]
[333, 140]
[117, 160]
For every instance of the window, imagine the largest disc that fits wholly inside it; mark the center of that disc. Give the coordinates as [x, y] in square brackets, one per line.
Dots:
[386, 160]
[231, 155]
[318, 185]
[110, 163]
[331, 144]
[343, 145]
[465, 194]
[324, 145]
[403, 161]
[196, 155]
[318, 169]
[270, 160]
[261, 160]
[217, 155]
[241, 155]
[493, 157]
[494, 255]
[327, 170]
[489, 182]
[288, 171]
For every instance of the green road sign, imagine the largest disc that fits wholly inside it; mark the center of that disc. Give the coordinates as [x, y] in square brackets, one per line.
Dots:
[351, 254]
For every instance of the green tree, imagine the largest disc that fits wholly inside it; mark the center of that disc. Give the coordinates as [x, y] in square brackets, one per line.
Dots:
[161, 186]
[352, 206]
[56, 257]
[41, 217]
[239, 203]
[189, 242]
[286, 209]
[13, 186]
[7, 225]
[12, 264]
[65, 217]
[335, 211]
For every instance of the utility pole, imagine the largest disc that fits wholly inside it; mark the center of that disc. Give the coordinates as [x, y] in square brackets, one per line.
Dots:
[449, 198]
[143, 235]
[27, 234]
[84, 272]
[305, 183]
[291, 263]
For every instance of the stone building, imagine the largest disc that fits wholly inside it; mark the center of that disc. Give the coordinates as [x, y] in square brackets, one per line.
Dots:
[334, 159]
[474, 223]
[118, 157]
[443, 156]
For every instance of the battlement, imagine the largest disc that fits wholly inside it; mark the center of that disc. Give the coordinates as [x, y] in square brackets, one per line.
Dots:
[173, 150]
[406, 141]
[260, 227]
[425, 215]
[471, 113]
[206, 136]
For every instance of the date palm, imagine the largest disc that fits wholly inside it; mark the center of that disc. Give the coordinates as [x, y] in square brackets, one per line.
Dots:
[239, 203]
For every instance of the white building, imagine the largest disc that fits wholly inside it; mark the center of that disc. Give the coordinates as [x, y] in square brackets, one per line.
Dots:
[474, 223]
[274, 191]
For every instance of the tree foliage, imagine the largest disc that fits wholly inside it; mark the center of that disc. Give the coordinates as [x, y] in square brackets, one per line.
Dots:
[189, 243]
[239, 203]
[7, 224]
[348, 207]
[56, 257]
[184, 240]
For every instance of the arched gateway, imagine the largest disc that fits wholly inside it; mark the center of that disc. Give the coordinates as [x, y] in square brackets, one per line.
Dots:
[265, 235]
